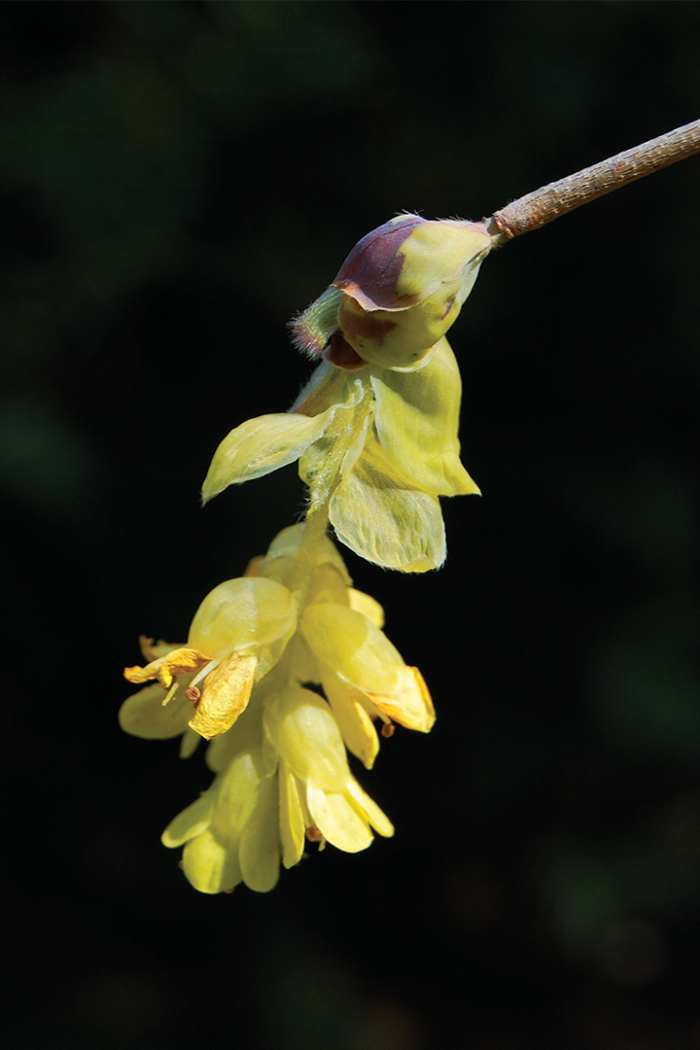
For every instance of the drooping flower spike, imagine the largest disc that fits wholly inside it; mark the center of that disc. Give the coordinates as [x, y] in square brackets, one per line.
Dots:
[279, 747]
[287, 667]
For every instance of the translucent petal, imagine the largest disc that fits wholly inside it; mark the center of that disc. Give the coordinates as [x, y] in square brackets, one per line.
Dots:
[167, 668]
[244, 735]
[236, 795]
[238, 614]
[338, 820]
[190, 822]
[327, 585]
[349, 643]
[304, 665]
[189, 743]
[356, 726]
[225, 695]
[143, 714]
[410, 704]
[301, 726]
[328, 386]
[260, 446]
[259, 853]
[385, 519]
[286, 544]
[291, 817]
[211, 865]
[379, 820]
[367, 605]
[417, 420]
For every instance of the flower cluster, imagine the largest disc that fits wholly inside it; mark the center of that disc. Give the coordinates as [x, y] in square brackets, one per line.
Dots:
[260, 650]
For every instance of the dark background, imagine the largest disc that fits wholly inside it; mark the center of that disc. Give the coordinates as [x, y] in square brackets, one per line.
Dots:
[177, 180]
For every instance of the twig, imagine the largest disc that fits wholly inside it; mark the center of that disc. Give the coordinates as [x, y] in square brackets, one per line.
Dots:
[549, 202]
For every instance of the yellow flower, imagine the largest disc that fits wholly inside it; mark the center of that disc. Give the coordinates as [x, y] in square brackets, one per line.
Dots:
[145, 715]
[231, 833]
[317, 789]
[238, 633]
[394, 437]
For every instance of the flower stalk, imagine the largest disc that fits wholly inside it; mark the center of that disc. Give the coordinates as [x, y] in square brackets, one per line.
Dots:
[546, 204]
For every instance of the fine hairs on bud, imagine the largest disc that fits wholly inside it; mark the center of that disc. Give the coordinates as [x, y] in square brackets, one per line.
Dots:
[313, 327]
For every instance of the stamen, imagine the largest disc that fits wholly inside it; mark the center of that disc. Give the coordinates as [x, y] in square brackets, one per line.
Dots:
[170, 693]
[313, 833]
[388, 729]
[193, 693]
[204, 672]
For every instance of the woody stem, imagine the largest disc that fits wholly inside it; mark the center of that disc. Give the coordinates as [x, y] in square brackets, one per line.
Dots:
[557, 198]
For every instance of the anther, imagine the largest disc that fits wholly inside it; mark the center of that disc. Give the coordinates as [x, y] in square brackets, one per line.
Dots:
[388, 729]
[193, 693]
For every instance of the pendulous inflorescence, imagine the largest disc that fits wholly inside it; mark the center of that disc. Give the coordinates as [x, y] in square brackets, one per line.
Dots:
[287, 668]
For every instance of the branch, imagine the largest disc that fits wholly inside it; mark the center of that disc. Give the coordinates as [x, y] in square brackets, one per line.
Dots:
[557, 198]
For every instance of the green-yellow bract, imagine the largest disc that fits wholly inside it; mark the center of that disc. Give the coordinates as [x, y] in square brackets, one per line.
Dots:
[383, 407]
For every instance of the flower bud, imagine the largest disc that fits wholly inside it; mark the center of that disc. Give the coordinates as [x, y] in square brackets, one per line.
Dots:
[402, 287]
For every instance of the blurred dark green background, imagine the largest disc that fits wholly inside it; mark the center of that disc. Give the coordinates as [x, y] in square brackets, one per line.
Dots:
[177, 180]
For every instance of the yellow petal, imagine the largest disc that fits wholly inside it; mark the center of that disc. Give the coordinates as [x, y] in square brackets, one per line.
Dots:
[356, 726]
[301, 726]
[379, 820]
[240, 613]
[304, 665]
[367, 605]
[190, 822]
[225, 694]
[286, 544]
[210, 864]
[338, 820]
[259, 853]
[165, 668]
[410, 704]
[351, 418]
[327, 585]
[189, 743]
[244, 735]
[236, 796]
[143, 714]
[292, 825]
[353, 647]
